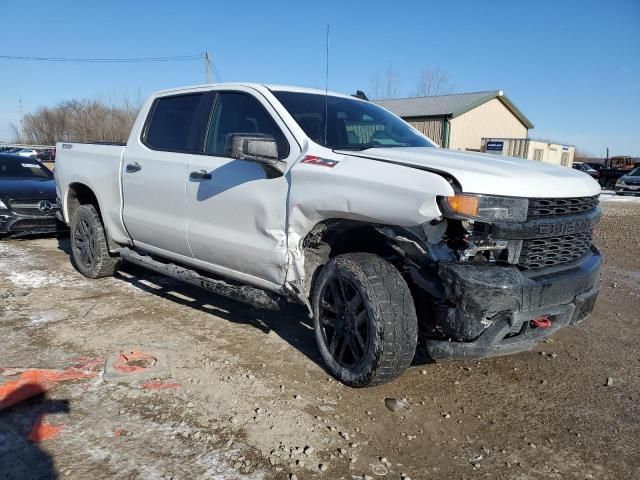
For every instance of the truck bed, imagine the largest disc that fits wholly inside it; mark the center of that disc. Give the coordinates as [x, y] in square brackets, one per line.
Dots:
[98, 166]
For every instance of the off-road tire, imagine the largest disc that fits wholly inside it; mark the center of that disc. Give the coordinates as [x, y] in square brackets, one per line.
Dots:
[393, 325]
[87, 225]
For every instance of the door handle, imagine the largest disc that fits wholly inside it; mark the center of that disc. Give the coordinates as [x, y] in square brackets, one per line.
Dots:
[133, 167]
[200, 175]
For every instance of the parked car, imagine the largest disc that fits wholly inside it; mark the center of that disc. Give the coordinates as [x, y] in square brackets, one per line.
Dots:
[27, 197]
[609, 176]
[629, 183]
[266, 193]
[27, 152]
[586, 168]
[47, 155]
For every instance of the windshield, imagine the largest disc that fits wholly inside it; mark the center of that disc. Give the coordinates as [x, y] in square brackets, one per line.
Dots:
[634, 173]
[353, 124]
[23, 168]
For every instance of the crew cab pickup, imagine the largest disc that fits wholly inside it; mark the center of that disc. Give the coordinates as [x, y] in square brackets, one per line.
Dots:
[268, 194]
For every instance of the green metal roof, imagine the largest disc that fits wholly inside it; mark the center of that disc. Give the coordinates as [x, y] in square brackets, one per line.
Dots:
[452, 105]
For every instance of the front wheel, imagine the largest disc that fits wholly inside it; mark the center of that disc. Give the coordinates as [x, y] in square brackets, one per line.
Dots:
[364, 319]
[89, 248]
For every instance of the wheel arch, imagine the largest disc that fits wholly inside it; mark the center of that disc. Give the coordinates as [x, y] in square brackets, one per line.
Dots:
[332, 237]
[79, 194]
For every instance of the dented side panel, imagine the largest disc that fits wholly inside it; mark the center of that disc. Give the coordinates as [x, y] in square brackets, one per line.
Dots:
[353, 188]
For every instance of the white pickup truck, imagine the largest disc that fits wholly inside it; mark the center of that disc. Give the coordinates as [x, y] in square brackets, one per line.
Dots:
[266, 194]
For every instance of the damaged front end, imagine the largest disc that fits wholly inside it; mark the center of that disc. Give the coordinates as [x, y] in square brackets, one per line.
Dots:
[500, 275]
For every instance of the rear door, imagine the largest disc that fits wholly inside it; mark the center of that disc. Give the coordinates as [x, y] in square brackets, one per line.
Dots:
[155, 172]
[236, 215]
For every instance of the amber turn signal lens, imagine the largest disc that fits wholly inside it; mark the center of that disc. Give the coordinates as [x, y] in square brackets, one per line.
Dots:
[464, 205]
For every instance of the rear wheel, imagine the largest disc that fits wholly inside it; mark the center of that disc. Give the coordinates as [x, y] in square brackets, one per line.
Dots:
[364, 319]
[89, 244]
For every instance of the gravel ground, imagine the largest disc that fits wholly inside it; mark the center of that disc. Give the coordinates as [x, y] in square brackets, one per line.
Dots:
[247, 396]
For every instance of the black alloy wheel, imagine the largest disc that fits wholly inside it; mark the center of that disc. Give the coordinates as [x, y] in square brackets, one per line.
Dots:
[89, 248]
[344, 321]
[364, 319]
[85, 243]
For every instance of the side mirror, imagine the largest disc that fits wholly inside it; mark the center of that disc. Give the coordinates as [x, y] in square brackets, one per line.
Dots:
[258, 148]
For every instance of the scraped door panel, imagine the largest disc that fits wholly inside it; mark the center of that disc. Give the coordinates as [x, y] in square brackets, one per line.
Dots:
[235, 220]
[236, 216]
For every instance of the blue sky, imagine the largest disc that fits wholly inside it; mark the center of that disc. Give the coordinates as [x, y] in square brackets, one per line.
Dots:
[573, 67]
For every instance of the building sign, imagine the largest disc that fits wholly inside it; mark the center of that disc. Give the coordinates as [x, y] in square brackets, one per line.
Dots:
[494, 146]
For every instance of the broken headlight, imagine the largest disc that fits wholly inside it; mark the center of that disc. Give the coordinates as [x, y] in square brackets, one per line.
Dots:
[467, 206]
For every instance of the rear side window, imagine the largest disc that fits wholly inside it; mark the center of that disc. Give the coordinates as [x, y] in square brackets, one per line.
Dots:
[177, 124]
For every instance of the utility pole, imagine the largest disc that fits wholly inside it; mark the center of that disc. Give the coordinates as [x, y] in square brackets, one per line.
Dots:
[207, 67]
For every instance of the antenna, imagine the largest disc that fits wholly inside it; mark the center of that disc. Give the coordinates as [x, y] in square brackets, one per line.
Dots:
[326, 92]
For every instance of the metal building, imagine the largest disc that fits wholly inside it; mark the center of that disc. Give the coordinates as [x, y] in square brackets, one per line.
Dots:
[461, 120]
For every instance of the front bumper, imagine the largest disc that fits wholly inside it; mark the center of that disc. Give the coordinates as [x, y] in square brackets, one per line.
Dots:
[489, 309]
[630, 189]
[12, 224]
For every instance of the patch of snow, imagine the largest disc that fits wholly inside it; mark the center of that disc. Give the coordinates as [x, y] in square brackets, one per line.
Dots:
[41, 318]
[610, 196]
[39, 279]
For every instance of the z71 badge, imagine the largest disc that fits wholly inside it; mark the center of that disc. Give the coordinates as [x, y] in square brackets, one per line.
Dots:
[322, 162]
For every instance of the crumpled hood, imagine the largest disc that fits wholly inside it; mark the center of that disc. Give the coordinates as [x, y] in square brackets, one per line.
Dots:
[492, 174]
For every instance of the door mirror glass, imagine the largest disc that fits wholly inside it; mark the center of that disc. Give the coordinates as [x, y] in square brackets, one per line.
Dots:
[254, 147]
[258, 148]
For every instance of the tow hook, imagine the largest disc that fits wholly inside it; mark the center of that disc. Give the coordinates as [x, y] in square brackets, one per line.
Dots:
[540, 322]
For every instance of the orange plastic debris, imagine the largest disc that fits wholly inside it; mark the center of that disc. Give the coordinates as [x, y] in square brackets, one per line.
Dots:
[43, 431]
[158, 385]
[90, 364]
[34, 382]
[134, 362]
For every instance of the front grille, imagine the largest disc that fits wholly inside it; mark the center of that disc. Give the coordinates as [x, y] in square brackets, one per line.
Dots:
[44, 224]
[32, 207]
[546, 252]
[547, 207]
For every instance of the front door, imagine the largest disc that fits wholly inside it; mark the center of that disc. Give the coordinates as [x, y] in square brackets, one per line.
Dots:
[236, 214]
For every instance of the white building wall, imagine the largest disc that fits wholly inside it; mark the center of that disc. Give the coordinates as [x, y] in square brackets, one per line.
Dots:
[554, 153]
[489, 120]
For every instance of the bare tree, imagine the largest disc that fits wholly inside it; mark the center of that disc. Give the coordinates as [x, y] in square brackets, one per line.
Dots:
[385, 85]
[79, 120]
[17, 134]
[433, 82]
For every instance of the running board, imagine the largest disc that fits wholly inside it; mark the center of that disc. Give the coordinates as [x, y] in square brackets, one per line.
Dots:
[242, 293]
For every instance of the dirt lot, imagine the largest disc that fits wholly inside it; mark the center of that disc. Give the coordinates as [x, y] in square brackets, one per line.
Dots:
[245, 391]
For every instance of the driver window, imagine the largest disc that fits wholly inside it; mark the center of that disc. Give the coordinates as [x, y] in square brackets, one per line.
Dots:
[236, 112]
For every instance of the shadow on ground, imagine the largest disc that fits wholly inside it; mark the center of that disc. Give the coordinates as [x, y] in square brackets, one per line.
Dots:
[292, 323]
[20, 458]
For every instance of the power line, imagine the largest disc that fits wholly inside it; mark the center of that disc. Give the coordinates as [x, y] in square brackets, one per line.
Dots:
[178, 58]
[209, 65]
